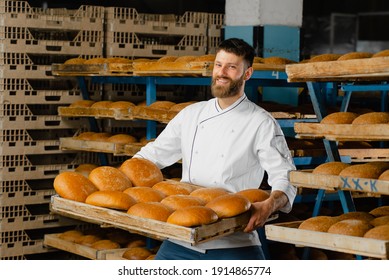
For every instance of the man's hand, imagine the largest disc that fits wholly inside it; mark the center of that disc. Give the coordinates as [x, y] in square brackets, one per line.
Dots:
[261, 211]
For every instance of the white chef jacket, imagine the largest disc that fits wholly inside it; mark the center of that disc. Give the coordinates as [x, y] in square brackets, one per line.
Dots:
[229, 148]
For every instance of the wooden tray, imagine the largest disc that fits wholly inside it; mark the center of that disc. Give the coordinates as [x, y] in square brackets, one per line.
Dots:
[53, 240]
[69, 143]
[342, 132]
[118, 114]
[103, 69]
[346, 70]
[366, 155]
[147, 227]
[332, 182]
[147, 113]
[289, 233]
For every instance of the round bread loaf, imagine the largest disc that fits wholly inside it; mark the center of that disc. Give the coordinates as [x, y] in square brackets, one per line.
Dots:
[82, 104]
[100, 136]
[382, 53]
[74, 186]
[361, 171]
[136, 253]
[208, 194]
[384, 176]
[88, 239]
[254, 195]
[229, 205]
[75, 60]
[142, 172]
[178, 201]
[122, 138]
[121, 105]
[381, 165]
[318, 223]
[178, 107]
[167, 58]
[379, 221]
[136, 243]
[339, 118]
[120, 236]
[151, 210]
[104, 104]
[358, 215]
[162, 105]
[171, 188]
[151, 257]
[275, 60]
[105, 244]
[193, 216]
[71, 235]
[372, 118]
[324, 57]
[96, 60]
[118, 60]
[87, 135]
[109, 178]
[85, 168]
[145, 194]
[352, 227]
[355, 55]
[110, 199]
[330, 168]
[379, 232]
[380, 211]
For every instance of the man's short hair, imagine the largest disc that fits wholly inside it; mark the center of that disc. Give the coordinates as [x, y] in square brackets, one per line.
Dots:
[238, 47]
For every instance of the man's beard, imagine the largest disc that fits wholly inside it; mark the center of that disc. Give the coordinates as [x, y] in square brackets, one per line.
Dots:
[222, 91]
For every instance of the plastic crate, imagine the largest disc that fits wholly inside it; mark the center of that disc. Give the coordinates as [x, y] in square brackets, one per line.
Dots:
[119, 19]
[20, 13]
[129, 44]
[215, 24]
[44, 91]
[212, 44]
[41, 122]
[22, 39]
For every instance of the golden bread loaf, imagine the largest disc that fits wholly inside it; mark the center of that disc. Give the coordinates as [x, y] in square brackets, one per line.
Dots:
[324, 57]
[100, 136]
[145, 194]
[120, 236]
[87, 135]
[151, 210]
[142, 172]
[178, 201]
[162, 105]
[74, 186]
[330, 168]
[318, 223]
[105, 244]
[380, 211]
[208, 194]
[71, 235]
[352, 227]
[258, 59]
[355, 55]
[88, 239]
[105, 104]
[275, 60]
[171, 188]
[96, 60]
[354, 145]
[254, 195]
[382, 53]
[358, 215]
[109, 178]
[379, 221]
[372, 118]
[185, 58]
[136, 253]
[205, 58]
[85, 168]
[361, 171]
[167, 58]
[193, 216]
[110, 199]
[121, 105]
[384, 176]
[229, 205]
[76, 60]
[136, 243]
[379, 232]
[122, 138]
[178, 107]
[82, 104]
[339, 118]
[118, 60]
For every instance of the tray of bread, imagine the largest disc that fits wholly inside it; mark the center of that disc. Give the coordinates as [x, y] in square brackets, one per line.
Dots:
[101, 244]
[371, 178]
[359, 233]
[347, 126]
[353, 66]
[97, 66]
[135, 197]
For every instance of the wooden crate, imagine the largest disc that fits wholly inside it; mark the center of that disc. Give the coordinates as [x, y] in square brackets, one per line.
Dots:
[342, 132]
[53, 240]
[147, 227]
[289, 233]
[346, 70]
[332, 182]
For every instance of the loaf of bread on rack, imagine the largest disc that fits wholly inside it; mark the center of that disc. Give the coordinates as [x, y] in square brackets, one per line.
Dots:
[352, 227]
[359, 215]
[136, 253]
[339, 118]
[372, 118]
[122, 138]
[355, 55]
[162, 105]
[380, 211]
[324, 57]
[382, 53]
[362, 170]
[330, 168]
[142, 172]
[379, 232]
[76, 60]
[82, 104]
[318, 223]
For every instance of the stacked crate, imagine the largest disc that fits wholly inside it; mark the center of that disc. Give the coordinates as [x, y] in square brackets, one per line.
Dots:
[132, 34]
[214, 31]
[31, 40]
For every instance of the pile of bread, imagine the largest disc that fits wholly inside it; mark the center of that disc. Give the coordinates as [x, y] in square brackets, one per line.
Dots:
[355, 118]
[137, 187]
[347, 56]
[111, 238]
[373, 224]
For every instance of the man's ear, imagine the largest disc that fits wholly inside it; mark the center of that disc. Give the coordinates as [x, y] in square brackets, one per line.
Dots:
[248, 73]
